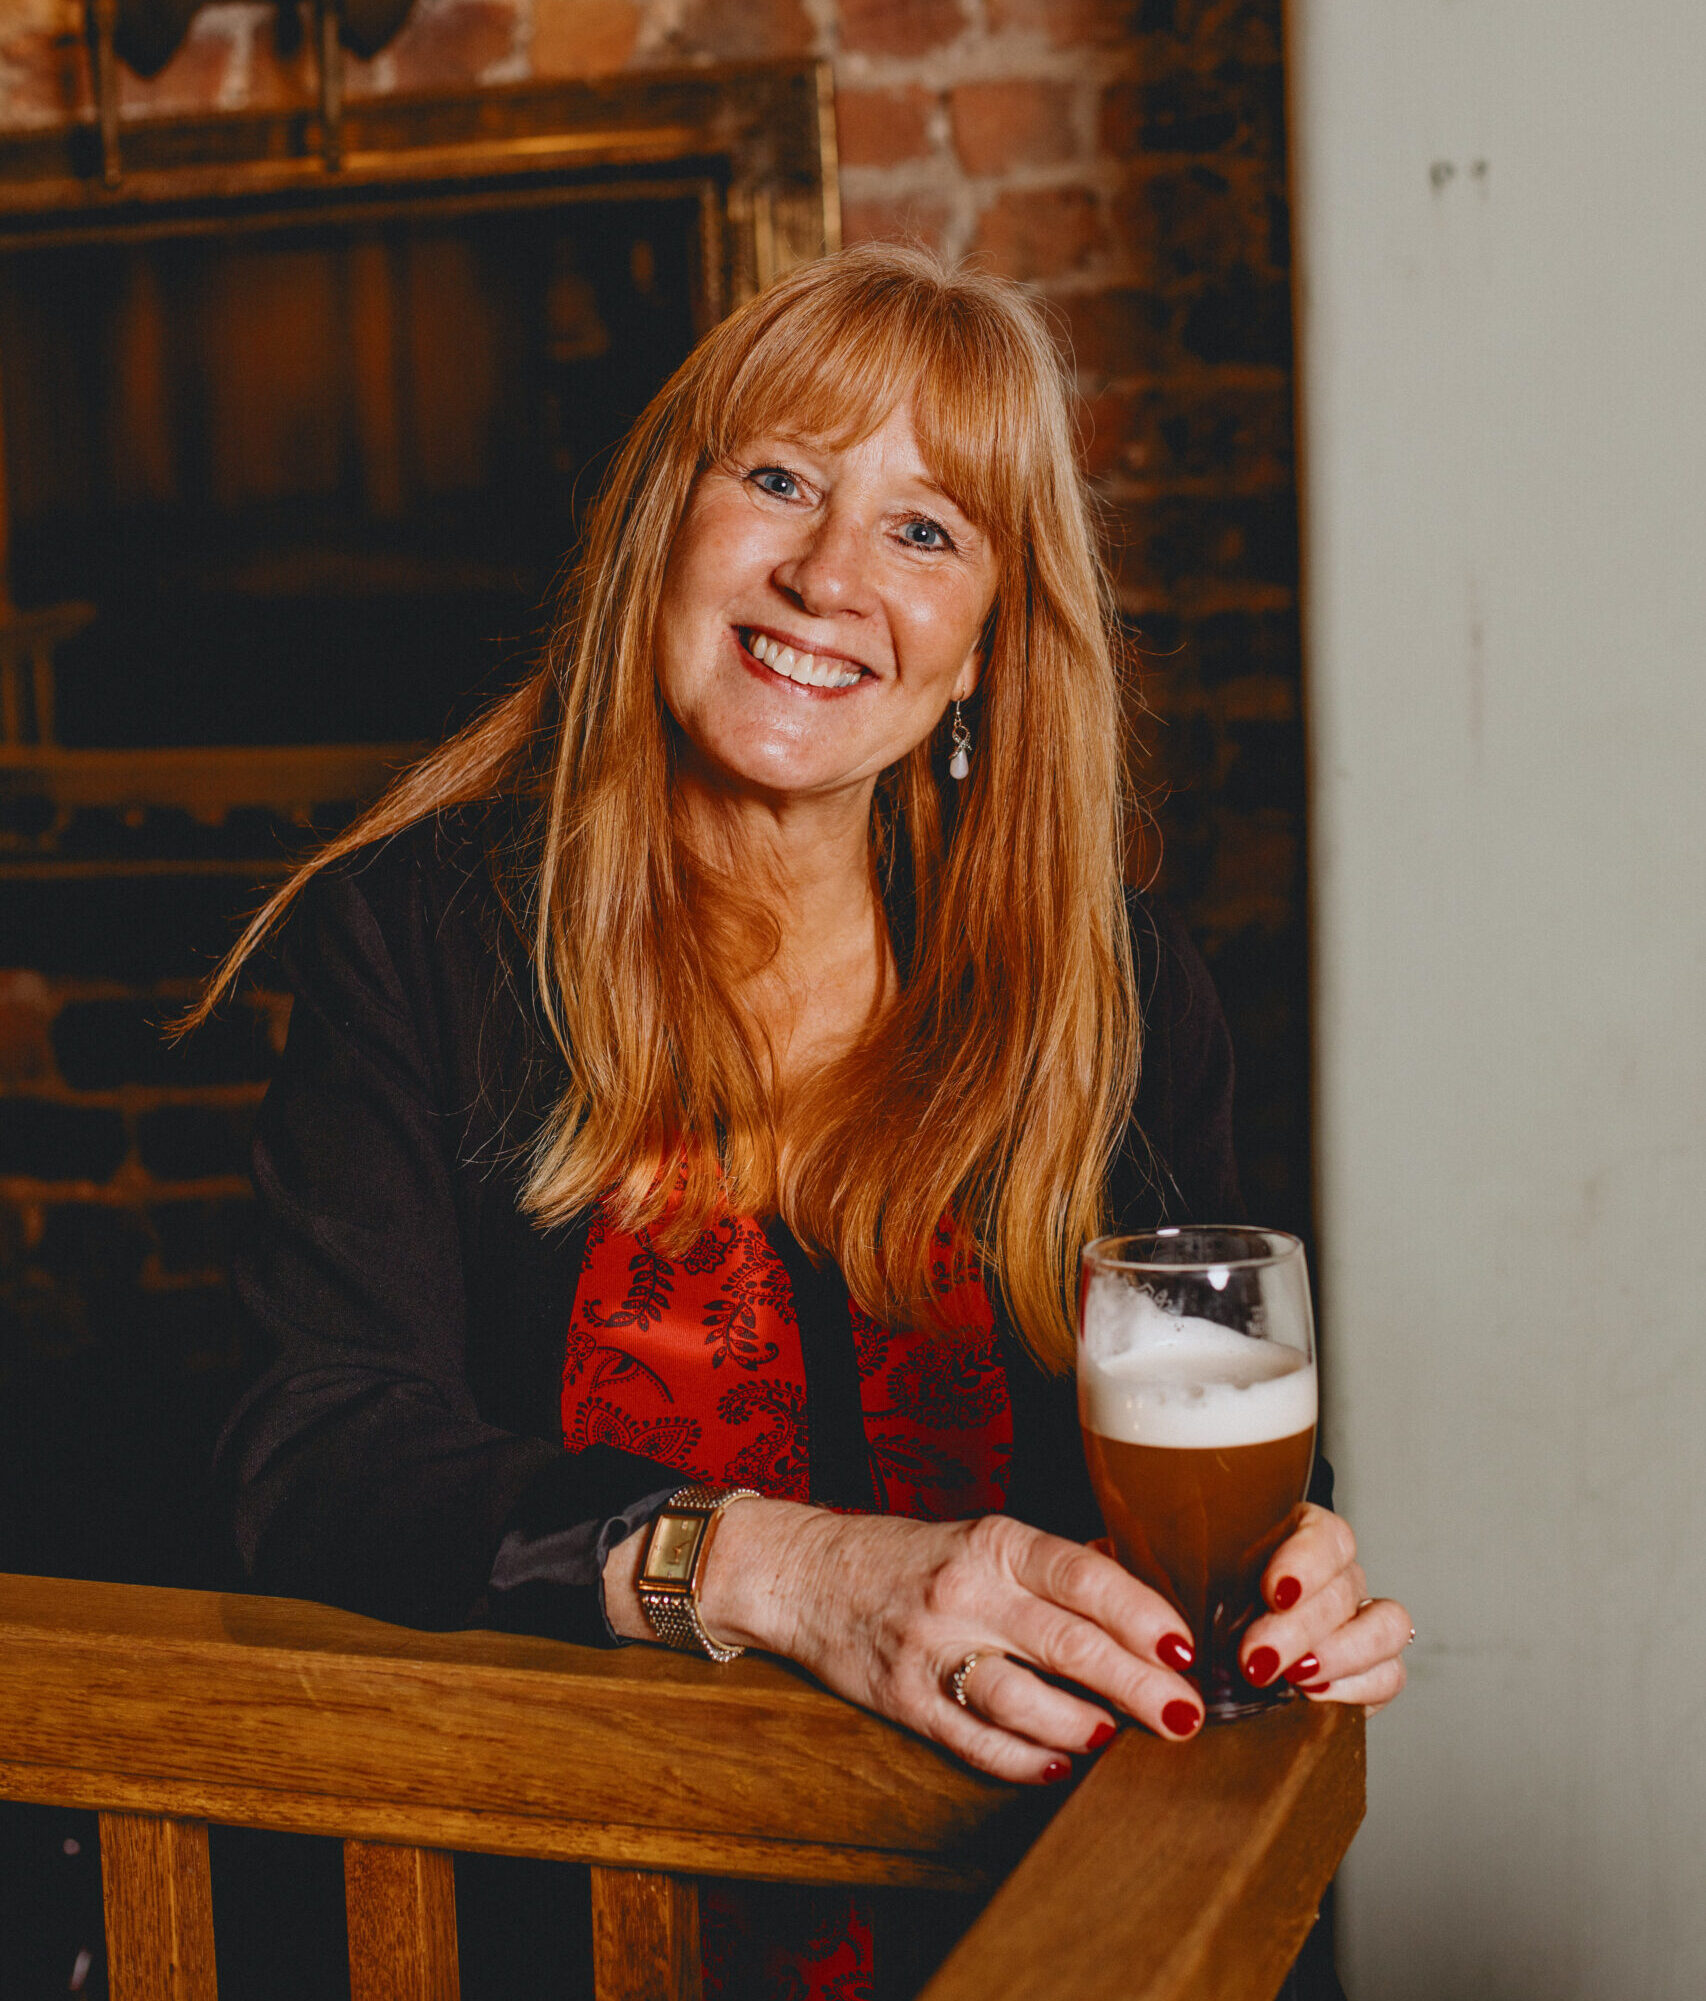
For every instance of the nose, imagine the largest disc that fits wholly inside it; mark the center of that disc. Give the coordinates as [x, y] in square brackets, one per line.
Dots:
[826, 572]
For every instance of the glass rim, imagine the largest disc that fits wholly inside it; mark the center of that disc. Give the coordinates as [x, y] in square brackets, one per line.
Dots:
[1098, 1251]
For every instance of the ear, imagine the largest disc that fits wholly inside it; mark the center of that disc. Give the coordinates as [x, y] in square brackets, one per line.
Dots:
[965, 683]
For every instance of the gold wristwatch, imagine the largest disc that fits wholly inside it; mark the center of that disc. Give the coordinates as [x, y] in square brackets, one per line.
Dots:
[668, 1586]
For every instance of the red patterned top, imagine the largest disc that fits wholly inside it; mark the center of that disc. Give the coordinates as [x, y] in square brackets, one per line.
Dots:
[696, 1362]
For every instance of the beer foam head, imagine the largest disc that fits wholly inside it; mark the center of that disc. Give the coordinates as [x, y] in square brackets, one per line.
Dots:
[1150, 1377]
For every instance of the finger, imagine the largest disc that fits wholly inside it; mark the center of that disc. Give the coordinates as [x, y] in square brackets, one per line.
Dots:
[1082, 1580]
[1007, 1694]
[1373, 1690]
[1063, 1643]
[1277, 1640]
[1379, 1631]
[988, 1748]
[1318, 1548]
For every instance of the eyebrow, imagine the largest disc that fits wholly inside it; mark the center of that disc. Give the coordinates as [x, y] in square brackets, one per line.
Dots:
[796, 438]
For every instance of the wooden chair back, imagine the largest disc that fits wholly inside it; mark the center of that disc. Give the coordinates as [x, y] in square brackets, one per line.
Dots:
[1169, 1873]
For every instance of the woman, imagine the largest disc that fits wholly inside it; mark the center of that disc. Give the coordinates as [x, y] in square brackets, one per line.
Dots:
[708, 1067]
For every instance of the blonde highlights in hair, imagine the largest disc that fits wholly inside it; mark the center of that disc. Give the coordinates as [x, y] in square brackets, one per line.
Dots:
[998, 1078]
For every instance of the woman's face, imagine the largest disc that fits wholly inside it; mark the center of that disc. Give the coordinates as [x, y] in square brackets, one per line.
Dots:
[821, 607]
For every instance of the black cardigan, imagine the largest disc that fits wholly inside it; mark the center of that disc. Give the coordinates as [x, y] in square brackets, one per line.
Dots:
[402, 1455]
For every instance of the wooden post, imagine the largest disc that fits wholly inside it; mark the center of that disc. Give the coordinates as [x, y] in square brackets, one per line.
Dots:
[645, 1936]
[159, 1909]
[401, 1904]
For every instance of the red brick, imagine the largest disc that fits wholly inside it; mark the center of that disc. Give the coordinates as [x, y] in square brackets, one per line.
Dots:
[583, 37]
[1162, 544]
[1234, 107]
[1070, 23]
[1103, 422]
[456, 42]
[1248, 30]
[877, 128]
[1179, 222]
[911, 219]
[1040, 232]
[900, 27]
[1011, 124]
[26, 1056]
[1238, 436]
[732, 30]
[1120, 331]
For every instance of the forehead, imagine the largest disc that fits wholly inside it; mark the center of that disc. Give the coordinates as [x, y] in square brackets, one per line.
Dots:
[891, 445]
[890, 438]
[971, 389]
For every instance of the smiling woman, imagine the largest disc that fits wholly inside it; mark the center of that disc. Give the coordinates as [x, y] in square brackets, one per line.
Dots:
[822, 605]
[697, 1097]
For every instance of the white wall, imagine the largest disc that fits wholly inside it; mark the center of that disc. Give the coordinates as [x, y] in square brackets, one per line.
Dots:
[1504, 396]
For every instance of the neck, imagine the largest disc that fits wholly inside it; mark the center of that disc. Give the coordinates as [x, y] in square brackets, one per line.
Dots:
[808, 861]
[810, 858]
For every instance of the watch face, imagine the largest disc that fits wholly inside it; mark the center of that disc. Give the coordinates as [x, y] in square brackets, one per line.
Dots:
[670, 1560]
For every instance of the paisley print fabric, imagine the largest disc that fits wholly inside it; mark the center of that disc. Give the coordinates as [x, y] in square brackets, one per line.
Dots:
[696, 1362]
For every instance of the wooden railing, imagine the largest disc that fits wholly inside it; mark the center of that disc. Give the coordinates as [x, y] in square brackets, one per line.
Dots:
[1171, 1873]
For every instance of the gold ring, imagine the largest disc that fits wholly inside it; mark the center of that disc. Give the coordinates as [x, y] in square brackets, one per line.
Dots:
[957, 1680]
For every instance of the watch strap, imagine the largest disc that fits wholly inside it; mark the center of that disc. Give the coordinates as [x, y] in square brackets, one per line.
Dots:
[672, 1610]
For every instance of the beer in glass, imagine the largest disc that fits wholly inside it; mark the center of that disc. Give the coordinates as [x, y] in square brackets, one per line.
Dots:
[1196, 1395]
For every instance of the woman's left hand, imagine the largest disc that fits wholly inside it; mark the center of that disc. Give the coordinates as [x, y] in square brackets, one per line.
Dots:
[1325, 1635]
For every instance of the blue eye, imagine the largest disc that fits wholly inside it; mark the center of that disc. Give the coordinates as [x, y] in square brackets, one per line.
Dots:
[772, 479]
[914, 532]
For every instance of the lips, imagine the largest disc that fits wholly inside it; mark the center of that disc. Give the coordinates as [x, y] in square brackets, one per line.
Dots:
[806, 670]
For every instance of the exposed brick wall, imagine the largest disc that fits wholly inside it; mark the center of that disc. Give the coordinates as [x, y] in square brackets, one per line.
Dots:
[1128, 160]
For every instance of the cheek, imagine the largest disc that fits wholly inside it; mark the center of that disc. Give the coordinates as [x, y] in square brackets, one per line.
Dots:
[943, 632]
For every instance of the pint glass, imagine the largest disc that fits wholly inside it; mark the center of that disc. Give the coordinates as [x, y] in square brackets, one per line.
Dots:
[1196, 1394]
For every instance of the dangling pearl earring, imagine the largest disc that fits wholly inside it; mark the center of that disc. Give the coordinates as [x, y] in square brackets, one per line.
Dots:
[959, 765]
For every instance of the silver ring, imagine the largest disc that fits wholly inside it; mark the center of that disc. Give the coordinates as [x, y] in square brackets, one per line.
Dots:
[957, 1680]
[1411, 1641]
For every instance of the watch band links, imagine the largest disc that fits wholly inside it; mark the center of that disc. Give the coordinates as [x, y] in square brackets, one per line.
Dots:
[672, 1611]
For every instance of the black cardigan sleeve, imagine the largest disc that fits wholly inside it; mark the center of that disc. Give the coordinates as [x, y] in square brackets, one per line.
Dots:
[360, 1469]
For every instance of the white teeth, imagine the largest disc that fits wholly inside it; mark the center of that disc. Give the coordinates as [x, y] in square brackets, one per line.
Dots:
[805, 668]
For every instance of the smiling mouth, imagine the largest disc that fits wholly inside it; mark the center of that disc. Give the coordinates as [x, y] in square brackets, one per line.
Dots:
[807, 670]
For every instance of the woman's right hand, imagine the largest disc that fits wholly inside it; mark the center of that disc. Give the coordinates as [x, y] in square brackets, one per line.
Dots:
[883, 1610]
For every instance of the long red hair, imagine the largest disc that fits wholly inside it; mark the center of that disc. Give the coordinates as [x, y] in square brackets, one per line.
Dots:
[998, 1079]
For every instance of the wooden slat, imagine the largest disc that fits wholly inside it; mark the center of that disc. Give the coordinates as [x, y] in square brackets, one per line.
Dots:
[1177, 1872]
[158, 1900]
[645, 1936]
[681, 1850]
[302, 1704]
[401, 1904]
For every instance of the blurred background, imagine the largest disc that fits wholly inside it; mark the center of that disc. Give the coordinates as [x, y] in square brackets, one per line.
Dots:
[300, 499]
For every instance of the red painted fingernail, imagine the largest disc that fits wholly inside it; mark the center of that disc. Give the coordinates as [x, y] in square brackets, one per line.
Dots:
[1102, 1734]
[1286, 1594]
[1181, 1718]
[1056, 1770]
[1303, 1670]
[1315, 1687]
[1175, 1650]
[1262, 1666]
